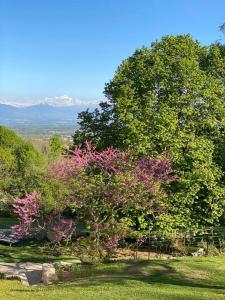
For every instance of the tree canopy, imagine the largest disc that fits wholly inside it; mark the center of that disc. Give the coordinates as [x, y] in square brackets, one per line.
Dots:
[169, 100]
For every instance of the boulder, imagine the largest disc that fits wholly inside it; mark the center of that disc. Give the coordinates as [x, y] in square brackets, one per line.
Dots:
[19, 276]
[49, 275]
[68, 263]
[199, 252]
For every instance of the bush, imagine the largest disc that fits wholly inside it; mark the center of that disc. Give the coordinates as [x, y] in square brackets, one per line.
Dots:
[108, 191]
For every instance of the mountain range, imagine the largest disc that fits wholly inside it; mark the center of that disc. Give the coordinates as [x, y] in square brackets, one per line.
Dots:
[40, 114]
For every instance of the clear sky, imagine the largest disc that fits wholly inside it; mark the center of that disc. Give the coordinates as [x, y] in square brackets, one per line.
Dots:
[72, 47]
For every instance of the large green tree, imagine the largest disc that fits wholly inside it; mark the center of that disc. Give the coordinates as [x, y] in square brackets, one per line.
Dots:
[170, 99]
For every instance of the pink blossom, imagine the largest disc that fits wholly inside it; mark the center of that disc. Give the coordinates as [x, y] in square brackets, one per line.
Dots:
[27, 208]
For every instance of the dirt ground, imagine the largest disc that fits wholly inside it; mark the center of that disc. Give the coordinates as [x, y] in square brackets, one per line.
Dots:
[123, 254]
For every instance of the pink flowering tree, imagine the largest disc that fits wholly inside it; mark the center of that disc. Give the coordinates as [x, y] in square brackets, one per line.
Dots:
[108, 191]
[112, 193]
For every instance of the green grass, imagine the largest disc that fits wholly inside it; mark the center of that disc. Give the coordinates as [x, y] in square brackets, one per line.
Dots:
[184, 279]
[31, 251]
[6, 223]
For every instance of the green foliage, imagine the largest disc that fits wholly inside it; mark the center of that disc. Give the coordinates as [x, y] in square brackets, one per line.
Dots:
[7, 163]
[21, 165]
[99, 127]
[169, 99]
[54, 148]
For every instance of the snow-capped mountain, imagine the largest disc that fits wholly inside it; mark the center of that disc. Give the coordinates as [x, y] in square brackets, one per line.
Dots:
[57, 101]
[56, 110]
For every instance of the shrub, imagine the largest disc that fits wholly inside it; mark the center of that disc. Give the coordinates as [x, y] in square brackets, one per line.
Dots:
[108, 191]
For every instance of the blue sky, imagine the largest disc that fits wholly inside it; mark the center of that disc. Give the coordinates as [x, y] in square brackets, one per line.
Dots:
[66, 47]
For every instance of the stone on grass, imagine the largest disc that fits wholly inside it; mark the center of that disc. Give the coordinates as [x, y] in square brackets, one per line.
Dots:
[199, 252]
[20, 276]
[68, 263]
[49, 275]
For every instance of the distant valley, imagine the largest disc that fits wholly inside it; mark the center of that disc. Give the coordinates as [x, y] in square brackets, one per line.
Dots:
[41, 114]
[41, 119]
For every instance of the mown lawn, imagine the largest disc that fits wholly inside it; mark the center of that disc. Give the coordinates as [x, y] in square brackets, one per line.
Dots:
[29, 251]
[186, 278]
[6, 223]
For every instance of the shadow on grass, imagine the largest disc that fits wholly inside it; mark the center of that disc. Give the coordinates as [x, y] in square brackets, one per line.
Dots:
[166, 283]
[7, 223]
[162, 275]
[149, 272]
[166, 288]
[27, 251]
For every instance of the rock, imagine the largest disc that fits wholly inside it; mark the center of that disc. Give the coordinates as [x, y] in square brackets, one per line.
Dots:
[33, 272]
[68, 263]
[9, 240]
[199, 252]
[28, 273]
[87, 261]
[20, 276]
[49, 275]
[6, 237]
[194, 253]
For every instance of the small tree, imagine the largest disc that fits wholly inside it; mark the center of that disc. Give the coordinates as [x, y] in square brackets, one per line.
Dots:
[107, 191]
[56, 146]
[111, 193]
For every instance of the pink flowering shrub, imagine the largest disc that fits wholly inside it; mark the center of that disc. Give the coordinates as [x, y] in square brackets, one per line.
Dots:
[32, 217]
[28, 209]
[109, 192]
[109, 187]
[109, 160]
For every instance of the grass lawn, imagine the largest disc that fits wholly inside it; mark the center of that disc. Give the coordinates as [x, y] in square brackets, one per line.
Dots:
[186, 278]
[6, 223]
[29, 251]
[25, 251]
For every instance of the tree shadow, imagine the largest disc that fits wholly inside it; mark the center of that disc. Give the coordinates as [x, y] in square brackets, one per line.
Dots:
[26, 251]
[156, 273]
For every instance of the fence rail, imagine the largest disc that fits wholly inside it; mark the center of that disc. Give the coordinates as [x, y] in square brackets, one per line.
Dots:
[186, 243]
